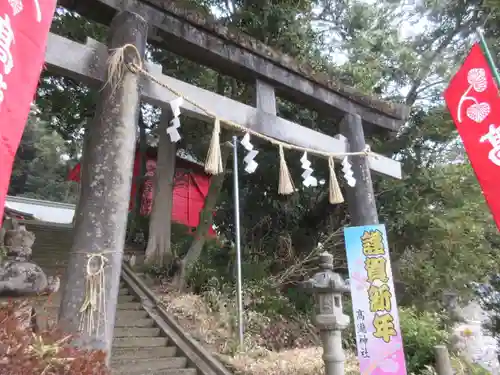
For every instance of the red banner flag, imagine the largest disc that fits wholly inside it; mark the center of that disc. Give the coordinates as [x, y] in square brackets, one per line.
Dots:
[24, 28]
[473, 101]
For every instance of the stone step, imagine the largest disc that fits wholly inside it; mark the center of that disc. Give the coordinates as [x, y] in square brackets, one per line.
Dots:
[150, 365]
[49, 259]
[46, 252]
[61, 273]
[133, 322]
[54, 263]
[46, 231]
[42, 227]
[171, 371]
[123, 292]
[52, 234]
[55, 269]
[61, 250]
[56, 236]
[131, 314]
[136, 332]
[51, 265]
[57, 244]
[129, 306]
[125, 298]
[55, 248]
[116, 364]
[139, 342]
[125, 354]
[147, 279]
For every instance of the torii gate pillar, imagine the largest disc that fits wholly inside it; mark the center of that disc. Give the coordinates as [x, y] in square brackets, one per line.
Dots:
[106, 181]
[360, 198]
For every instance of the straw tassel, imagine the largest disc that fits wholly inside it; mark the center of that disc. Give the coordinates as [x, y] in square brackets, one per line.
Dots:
[213, 163]
[285, 186]
[94, 304]
[335, 195]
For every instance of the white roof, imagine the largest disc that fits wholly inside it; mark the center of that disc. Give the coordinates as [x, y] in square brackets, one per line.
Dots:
[47, 211]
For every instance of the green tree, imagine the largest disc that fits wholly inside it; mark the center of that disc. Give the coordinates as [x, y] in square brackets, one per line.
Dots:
[437, 221]
[41, 165]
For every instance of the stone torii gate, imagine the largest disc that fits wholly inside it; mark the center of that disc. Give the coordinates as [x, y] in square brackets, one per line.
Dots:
[102, 214]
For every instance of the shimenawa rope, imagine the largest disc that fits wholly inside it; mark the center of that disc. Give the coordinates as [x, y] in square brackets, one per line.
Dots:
[213, 163]
[117, 58]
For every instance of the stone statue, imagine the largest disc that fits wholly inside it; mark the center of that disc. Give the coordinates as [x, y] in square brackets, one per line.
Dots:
[19, 276]
[18, 243]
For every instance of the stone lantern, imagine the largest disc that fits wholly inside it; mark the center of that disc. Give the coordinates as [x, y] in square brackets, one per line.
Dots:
[328, 287]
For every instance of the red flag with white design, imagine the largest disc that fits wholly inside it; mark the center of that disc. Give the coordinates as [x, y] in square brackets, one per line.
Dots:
[24, 28]
[473, 101]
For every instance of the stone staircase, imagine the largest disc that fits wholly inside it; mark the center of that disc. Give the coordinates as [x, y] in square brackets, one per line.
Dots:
[50, 251]
[144, 343]
[139, 346]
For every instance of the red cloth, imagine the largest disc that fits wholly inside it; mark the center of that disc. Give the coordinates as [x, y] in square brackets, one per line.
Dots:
[190, 191]
[24, 27]
[472, 99]
[74, 174]
[191, 185]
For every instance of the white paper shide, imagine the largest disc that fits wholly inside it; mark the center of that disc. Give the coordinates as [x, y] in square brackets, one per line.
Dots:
[308, 179]
[175, 123]
[251, 164]
[348, 173]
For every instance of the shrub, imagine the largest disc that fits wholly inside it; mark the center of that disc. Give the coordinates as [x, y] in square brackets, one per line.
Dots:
[349, 334]
[270, 318]
[421, 331]
[3, 252]
[22, 352]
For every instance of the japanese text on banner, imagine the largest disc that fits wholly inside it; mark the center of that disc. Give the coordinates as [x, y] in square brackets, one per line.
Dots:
[378, 336]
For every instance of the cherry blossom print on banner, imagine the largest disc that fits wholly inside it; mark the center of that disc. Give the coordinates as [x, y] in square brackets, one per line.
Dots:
[24, 28]
[473, 101]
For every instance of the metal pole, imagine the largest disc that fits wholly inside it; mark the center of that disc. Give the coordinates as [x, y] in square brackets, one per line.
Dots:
[238, 239]
[489, 57]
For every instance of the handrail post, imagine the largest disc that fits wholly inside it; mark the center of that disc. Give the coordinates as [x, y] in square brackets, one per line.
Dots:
[443, 362]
